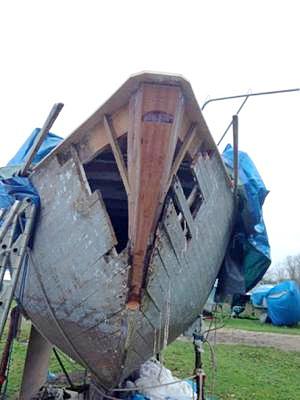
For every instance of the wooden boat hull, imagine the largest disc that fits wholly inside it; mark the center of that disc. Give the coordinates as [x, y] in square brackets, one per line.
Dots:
[78, 287]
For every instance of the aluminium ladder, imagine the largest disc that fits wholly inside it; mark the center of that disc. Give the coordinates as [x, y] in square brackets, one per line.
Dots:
[15, 233]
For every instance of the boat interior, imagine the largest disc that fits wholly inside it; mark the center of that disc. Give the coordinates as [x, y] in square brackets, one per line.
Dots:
[103, 174]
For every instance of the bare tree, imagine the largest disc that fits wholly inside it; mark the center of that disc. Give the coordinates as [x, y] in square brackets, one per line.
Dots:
[293, 267]
[288, 269]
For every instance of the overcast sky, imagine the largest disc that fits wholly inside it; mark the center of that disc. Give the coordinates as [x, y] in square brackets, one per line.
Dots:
[79, 52]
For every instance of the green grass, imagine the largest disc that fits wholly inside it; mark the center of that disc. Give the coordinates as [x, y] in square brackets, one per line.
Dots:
[243, 372]
[18, 359]
[248, 324]
[17, 364]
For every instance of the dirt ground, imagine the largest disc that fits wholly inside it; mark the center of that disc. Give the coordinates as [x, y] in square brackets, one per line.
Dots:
[236, 336]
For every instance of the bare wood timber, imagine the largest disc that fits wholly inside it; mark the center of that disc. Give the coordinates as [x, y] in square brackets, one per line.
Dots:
[182, 152]
[56, 109]
[90, 136]
[117, 153]
[155, 120]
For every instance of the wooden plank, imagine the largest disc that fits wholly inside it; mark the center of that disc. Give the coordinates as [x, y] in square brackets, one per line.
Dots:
[189, 137]
[95, 138]
[56, 109]
[117, 152]
[183, 206]
[202, 176]
[90, 135]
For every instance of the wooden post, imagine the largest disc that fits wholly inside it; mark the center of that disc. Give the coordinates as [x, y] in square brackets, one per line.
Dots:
[56, 109]
[36, 365]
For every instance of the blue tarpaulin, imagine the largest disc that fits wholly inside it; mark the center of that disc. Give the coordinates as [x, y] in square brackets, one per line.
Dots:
[50, 142]
[282, 302]
[248, 255]
[258, 295]
[15, 187]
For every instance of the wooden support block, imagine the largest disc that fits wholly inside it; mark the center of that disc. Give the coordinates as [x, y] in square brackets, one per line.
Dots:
[36, 365]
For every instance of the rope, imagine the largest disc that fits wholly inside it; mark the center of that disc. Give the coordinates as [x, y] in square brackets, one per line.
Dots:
[139, 388]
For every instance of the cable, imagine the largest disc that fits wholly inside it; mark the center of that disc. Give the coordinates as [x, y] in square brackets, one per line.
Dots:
[63, 367]
[214, 365]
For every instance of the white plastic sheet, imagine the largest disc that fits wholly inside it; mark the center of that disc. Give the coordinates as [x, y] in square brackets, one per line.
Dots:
[153, 374]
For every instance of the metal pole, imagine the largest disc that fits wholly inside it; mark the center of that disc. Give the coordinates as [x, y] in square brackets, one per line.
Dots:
[10, 216]
[249, 95]
[41, 136]
[198, 348]
[235, 129]
[246, 96]
[63, 368]
[17, 254]
[228, 127]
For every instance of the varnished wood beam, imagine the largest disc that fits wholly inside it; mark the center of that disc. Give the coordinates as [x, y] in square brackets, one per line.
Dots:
[117, 153]
[155, 115]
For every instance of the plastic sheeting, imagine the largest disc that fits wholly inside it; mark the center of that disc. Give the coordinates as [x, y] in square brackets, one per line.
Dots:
[259, 294]
[248, 254]
[50, 142]
[15, 187]
[283, 302]
[154, 380]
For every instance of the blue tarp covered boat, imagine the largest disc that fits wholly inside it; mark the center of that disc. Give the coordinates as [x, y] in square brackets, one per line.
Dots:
[282, 302]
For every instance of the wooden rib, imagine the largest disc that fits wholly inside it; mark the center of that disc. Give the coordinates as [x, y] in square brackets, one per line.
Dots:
[183, 206]
[117, 153]
[189, 137]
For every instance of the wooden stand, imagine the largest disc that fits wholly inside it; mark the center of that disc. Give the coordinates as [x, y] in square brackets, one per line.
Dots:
[36, 365]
